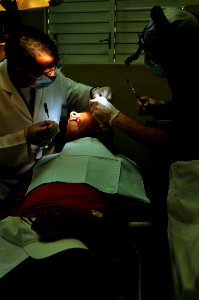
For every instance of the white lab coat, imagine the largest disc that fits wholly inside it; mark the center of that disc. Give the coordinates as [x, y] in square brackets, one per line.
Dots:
[15, 116]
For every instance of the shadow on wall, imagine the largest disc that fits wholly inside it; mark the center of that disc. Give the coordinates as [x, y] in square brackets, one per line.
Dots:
[123, 98]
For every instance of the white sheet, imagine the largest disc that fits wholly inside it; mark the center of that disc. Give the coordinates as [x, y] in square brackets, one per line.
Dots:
[87, 160]
[11, 255]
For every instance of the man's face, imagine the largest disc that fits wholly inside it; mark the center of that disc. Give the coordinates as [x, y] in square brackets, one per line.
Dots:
[44, 68]
[80, 125]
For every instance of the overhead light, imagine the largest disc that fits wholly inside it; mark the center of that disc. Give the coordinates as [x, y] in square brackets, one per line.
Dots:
[10, 13]
[22, 4]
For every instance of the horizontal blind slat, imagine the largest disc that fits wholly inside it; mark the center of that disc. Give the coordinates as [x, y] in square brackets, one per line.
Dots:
[80, 6]
[80, 28]
[75, 18]
[79, 38]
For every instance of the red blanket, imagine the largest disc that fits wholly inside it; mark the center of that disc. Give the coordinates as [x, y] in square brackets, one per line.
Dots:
[66, 195]
[76, 210]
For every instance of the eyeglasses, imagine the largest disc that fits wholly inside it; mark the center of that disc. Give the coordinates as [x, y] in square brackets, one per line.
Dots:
[45, 74]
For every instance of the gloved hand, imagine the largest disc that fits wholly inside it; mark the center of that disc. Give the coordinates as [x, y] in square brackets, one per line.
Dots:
[42, 133]
[102, 110]
[148, 106]
[104, 91]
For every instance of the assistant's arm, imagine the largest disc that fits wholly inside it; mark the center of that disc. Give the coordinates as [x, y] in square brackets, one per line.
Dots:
[143, 134]
[104, 112]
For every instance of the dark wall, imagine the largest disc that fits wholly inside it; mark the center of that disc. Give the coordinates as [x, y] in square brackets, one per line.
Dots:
[35, 17]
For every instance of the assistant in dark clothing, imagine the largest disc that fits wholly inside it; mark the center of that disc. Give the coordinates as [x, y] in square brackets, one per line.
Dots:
[171, 45]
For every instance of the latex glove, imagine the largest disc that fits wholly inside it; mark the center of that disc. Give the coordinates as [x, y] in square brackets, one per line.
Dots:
[148, 106]
[42, 133]
[102, 110]
[102, 92]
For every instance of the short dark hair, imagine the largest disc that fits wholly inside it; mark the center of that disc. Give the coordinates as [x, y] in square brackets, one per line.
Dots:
[21, 47]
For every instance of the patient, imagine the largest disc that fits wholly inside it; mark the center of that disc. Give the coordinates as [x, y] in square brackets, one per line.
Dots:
[112, 184]
[76, 126]
[79, 125]
[83, 160]
[85, 174]
[83, 124]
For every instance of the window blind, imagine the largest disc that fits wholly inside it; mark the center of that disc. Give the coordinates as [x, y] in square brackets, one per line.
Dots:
[99, 31]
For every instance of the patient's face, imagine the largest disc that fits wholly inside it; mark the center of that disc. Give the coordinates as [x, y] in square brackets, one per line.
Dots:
[80, 125]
